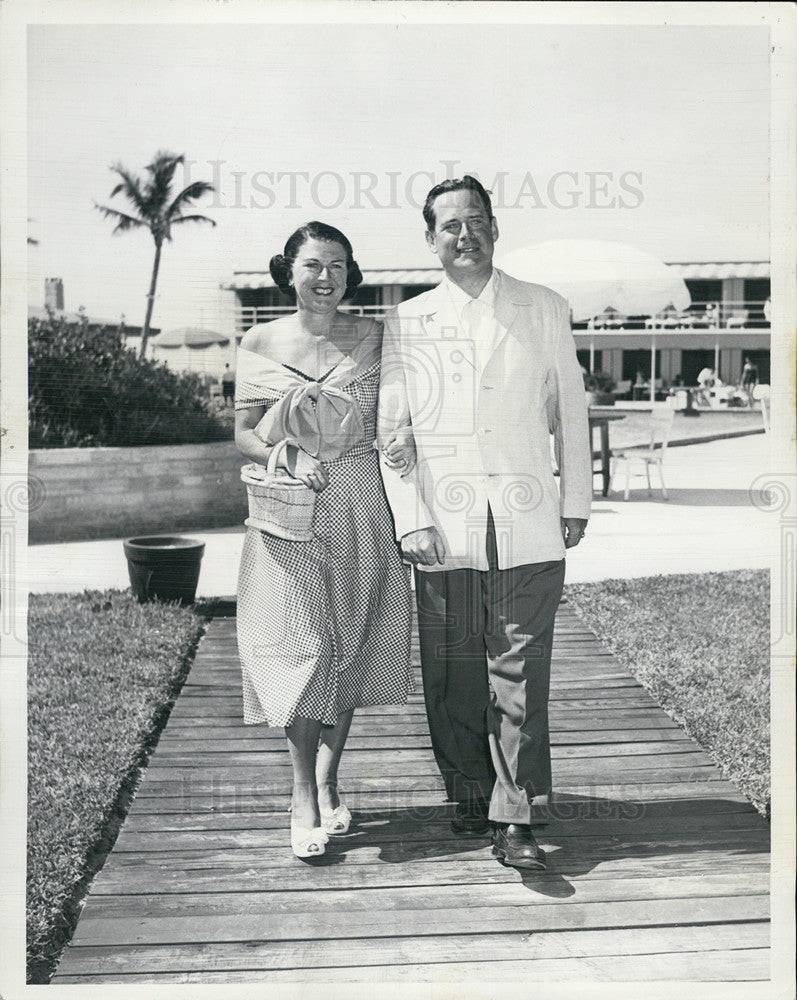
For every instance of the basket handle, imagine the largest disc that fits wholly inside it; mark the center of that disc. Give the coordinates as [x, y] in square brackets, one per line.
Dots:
[276, 451]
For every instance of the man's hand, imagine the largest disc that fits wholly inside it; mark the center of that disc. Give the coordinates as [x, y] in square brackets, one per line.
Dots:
[399, 451]
[424, 547]
[573, 529]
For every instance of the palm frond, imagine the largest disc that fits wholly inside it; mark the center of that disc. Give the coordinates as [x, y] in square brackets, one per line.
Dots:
[130, 186]
[124, 222]
[191, 193]
[161, 172]
[192, 218]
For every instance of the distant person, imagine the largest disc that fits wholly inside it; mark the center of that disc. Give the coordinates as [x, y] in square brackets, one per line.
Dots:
[711, 315]
[228, 385]
[705, 383]
[749, 380]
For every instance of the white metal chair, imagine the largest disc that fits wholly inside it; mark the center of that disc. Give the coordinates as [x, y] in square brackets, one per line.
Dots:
[737, 319]
[651, 454]
[761, 393]
[623, 388]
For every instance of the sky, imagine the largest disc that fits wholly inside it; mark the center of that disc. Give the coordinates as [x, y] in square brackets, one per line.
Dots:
[653, 135]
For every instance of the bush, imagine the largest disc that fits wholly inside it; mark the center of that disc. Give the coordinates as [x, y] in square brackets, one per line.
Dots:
[86, 389]
[598, 382]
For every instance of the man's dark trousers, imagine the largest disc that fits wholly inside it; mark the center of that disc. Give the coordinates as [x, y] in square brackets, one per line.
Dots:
[486, 640]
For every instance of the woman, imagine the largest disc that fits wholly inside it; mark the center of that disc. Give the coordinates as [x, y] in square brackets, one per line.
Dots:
[324, 625]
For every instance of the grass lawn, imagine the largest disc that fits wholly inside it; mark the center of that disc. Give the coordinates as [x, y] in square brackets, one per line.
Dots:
[700, 644]
[102, 673]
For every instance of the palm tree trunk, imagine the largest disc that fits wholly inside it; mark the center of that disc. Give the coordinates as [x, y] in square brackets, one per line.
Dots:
[151, 298]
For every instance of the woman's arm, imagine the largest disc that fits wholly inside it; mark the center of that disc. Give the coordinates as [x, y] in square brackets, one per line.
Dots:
[298, 463]
[246, 441]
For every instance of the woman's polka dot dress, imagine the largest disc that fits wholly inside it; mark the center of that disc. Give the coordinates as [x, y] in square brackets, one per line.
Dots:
[324, 626]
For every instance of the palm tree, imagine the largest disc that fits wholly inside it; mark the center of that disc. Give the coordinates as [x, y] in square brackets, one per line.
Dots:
[157, 208]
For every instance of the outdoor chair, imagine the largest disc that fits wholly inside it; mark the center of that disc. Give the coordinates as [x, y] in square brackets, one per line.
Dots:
[737, 319]
[761, 393]
[648, 455]
[623, 389]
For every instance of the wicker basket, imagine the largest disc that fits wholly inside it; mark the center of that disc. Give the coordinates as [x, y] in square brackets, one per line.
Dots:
[278, 504]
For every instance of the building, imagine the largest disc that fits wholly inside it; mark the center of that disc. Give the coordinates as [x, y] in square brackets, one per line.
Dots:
[54, 306]
[727, 320]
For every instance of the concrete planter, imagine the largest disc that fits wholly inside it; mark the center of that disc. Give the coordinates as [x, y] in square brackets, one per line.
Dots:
[85, 493]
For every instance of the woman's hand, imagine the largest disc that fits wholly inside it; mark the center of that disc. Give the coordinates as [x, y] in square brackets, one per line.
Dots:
[305, 468]
[399, 450]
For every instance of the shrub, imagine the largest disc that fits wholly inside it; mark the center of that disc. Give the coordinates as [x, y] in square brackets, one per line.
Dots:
[598, 382]
[86, 389]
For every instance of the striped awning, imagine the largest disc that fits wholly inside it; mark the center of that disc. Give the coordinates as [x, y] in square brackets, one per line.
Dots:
[710, 270]
[376, 276]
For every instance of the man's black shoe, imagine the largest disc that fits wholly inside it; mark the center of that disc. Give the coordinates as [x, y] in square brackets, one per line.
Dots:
[514, 844]
[470, 819]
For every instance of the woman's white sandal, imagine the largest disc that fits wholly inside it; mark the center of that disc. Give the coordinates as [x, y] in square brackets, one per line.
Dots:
[336, 821]
[308, 843]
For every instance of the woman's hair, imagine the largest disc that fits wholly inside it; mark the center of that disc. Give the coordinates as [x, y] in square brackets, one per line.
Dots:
[281, 264]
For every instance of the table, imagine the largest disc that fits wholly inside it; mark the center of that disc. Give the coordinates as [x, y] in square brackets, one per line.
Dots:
[602, 416]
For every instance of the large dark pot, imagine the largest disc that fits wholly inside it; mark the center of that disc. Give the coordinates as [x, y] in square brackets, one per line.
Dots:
[164, 567]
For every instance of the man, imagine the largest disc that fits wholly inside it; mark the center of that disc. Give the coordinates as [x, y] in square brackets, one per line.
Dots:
[228, 385]
[483, 367]
[705, 383]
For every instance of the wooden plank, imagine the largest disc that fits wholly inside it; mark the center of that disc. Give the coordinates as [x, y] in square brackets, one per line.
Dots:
[407, 829]
[575, 806]
[562, 852]
[268, 955]
[177, 759]
[400, 898]
[426, 919]
[177, 749]
[562, 718]
[733, 965]
[401, 792]
[243, 874]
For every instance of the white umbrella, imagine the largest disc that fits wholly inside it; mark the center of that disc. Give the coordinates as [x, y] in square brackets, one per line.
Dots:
[596, 275]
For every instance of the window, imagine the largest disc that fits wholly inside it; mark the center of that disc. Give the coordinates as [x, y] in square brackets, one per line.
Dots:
[756, 292]
[693, 362]
[639, 361]
[583, 360]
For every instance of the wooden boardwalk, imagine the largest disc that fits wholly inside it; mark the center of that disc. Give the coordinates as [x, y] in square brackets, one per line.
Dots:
[658, 869]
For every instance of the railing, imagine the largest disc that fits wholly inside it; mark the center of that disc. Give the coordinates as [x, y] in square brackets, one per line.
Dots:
[247, 316]
[739, 315]
[730, 315]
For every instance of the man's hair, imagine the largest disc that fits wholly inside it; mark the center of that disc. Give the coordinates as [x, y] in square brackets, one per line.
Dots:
[466, 183]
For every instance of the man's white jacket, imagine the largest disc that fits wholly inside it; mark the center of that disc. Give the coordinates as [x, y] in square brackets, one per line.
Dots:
[484, 437]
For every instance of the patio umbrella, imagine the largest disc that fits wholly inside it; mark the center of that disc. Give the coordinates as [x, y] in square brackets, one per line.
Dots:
[596, 275]
[189, 336]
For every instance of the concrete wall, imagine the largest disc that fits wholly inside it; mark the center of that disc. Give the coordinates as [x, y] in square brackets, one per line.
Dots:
[117, 492]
